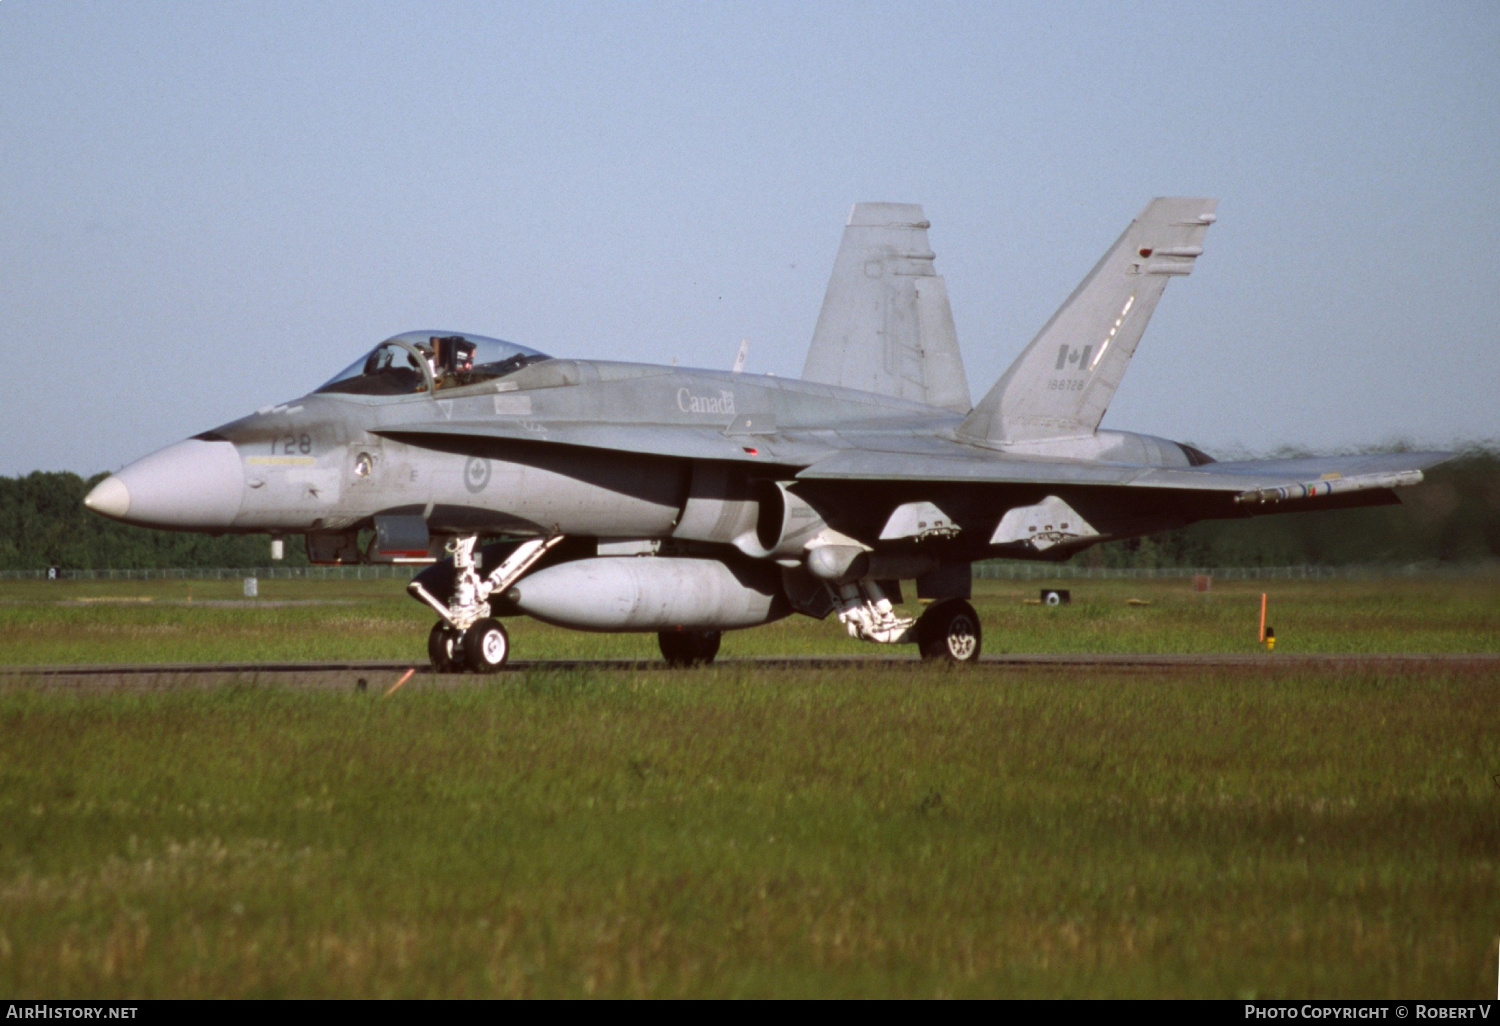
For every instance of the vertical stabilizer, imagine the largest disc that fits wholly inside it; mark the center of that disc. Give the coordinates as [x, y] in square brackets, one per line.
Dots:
[886, 326]
[1061, 384]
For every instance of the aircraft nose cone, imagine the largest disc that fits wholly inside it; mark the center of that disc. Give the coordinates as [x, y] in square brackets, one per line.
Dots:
[109, 497]
[195, 484]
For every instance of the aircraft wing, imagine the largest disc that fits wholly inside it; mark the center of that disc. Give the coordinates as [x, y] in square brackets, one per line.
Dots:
[1249, 481]
[826, 457]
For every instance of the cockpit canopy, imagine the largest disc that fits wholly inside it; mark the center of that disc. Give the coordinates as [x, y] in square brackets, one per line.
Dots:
[422, 360]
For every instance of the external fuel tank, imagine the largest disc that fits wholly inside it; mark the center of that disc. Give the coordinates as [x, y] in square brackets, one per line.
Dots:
[652, 593]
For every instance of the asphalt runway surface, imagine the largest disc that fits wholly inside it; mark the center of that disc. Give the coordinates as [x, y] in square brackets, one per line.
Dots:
[382, 674]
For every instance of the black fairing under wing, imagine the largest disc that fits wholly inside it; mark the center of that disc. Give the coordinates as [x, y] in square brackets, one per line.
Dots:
[858, 489]
[968, 464]
[702, 442]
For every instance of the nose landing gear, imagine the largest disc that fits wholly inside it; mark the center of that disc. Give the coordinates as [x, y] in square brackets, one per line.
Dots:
[483, 648]
[486, 646]
[467, 636]
[444, 650]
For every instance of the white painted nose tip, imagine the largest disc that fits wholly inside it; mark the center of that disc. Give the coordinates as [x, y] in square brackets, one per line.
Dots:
[109, 497]
[195, 485]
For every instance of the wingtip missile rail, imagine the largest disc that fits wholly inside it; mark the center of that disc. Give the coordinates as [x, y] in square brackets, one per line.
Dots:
[1330, 486]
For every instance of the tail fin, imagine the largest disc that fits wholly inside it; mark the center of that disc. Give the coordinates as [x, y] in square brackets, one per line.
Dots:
[1061, 384]
[886, 326]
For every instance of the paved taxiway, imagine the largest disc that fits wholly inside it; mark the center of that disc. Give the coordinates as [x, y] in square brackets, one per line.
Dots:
[381, 673]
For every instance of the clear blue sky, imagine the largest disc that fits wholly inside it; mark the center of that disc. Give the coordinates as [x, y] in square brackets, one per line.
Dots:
[209, 207]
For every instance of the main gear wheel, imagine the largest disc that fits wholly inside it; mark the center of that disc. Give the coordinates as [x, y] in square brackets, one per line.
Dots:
[949, 630]
[689, 648]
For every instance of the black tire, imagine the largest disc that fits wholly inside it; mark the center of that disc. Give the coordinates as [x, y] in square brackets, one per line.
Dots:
[689, 648]
[486, 646]
[949, 631]
[444, 649]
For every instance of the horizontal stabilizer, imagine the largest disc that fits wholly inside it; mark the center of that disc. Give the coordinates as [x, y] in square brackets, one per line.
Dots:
[1061, 384]
[886, 326]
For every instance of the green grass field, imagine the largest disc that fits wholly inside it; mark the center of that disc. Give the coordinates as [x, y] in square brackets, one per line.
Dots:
[376, 620]
[872, 830]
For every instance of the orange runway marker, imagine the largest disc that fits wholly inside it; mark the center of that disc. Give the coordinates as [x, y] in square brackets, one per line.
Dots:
[404, 678]
[1262, 618]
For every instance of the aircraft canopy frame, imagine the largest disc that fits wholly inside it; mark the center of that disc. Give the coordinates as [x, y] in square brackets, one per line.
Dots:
[418, 362]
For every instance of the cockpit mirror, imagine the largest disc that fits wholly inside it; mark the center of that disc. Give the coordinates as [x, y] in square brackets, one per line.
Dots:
[455, 354]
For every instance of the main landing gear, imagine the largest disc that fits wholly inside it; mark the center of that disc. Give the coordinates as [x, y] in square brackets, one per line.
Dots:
[689, 648]
[468, 637]
[949, 630]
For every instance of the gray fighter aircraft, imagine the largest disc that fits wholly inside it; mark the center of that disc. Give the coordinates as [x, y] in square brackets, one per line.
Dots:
[608, 496]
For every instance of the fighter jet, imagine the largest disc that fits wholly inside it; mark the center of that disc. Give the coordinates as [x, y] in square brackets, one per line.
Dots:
[607, 496]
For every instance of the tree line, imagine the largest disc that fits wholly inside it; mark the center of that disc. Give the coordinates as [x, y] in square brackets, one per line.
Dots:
[1453, 517]
[43, 523]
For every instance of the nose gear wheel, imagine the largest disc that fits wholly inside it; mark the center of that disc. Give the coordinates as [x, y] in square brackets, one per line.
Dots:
[486, 646]
[444, 650]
